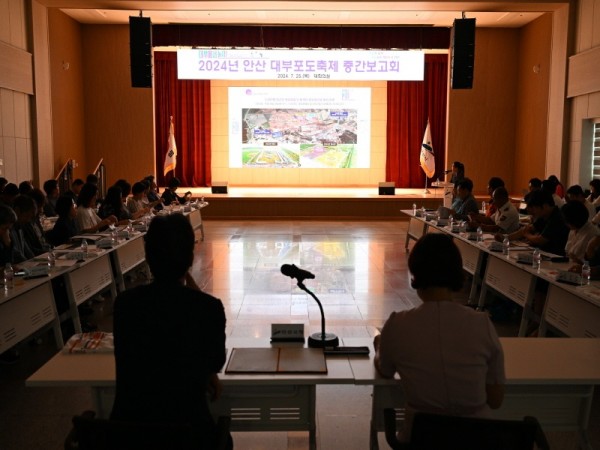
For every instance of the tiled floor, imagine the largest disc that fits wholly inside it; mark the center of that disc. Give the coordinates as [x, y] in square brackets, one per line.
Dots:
[361, 277]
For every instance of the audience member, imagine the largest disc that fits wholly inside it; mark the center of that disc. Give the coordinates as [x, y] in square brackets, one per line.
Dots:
[594, 197]
[3, 183]
[548, 231]
[25, 187]
[493, 184]
[550, 187]
[34, 231]
[575, 193]
[560, 190]
[464, 203]
[592, 256]
[152, 194]
[92, 178]
[52, 193]
[170, 196]
[65, 227]
[87, 220]
[457, 367]
[9, 193]
[75, 189]
[7, 220]
[135, 203]
[170, 317]
[506, 218]
[582, 230]
[113, 206]
[25, 210]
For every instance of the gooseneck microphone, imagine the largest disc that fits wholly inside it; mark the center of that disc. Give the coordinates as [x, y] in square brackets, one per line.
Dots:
[299, 274]
[447, 171]
[318, 340]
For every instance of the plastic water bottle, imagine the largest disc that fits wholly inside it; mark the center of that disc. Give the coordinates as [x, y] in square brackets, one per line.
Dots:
[414, 209]
[537, 259]
[479, 234]
[463, 227]
[9, 276]
[423, 212]
[451, 221]
[51, 258]
[586, 273]
[483, 206]
[114, 236]
[506, 246]
[84, 248]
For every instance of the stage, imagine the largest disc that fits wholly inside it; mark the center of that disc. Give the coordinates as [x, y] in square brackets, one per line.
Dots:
[301, 203]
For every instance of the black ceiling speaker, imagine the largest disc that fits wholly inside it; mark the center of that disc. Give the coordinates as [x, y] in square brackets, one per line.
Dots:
[462, 53]
[140, 51]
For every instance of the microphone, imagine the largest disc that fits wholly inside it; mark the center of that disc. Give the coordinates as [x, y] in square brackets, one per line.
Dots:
[447, 171]
[316, 340]
[292, 271]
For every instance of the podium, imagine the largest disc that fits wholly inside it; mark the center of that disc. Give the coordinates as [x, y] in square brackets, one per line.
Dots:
[448, 188]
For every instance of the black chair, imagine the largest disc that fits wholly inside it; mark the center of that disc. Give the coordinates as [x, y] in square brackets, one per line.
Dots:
[89, 433]
[439, 432]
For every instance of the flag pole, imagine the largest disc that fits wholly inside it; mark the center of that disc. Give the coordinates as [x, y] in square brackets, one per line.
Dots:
[426, 191]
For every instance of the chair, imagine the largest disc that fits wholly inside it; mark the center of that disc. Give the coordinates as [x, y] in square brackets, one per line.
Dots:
[90, 433]
[433, 431]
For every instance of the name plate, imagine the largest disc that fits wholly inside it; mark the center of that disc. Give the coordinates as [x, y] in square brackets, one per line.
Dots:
[287, 332]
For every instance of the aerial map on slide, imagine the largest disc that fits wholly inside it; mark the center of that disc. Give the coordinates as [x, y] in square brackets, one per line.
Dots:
[313, 138]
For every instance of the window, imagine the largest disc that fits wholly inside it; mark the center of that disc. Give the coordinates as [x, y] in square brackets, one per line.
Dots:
[596, 151]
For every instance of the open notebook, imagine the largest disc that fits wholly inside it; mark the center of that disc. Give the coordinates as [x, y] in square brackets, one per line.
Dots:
[277, 360]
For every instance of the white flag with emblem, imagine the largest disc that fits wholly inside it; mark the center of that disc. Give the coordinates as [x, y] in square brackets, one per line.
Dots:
[171, 156]
[427, 157]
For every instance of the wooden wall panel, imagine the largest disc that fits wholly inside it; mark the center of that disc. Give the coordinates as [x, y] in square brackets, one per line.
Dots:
[17, 69]
[584, 73]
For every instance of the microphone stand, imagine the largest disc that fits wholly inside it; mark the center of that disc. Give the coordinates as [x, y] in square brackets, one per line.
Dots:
[322, 339]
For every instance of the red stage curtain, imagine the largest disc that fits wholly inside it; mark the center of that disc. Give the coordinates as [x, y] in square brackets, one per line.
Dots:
[188, 101]
[409, 104]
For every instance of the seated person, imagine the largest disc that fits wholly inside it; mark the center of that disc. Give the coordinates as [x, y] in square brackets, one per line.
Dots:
[25, 210]
[152, 194]
[135, 203]
[548, 232]
[169, 195]
[113, 206]
[458, 172]
[75, 189]
[506, 218]
[582, 230]
[493, 184]
[575, 193]
[464, 203]
[448, 356]
[7, 221]
[52, 193]
[65, 227]
[34, 231]
[173, 318]
[594, 197]
[550, 186]
[592, 256]
[87, 221]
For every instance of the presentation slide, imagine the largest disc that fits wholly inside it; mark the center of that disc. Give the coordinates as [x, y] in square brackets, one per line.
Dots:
[308, 127]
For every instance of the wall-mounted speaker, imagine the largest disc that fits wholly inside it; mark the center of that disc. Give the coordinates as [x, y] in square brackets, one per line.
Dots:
[219, 187]
[387, 188]
[140, 51]
[462, 41]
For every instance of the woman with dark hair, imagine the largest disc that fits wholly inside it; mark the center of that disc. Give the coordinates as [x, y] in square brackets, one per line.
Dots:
[448, 356]
[113, 206]
[87, 220]
[172, 317]
[170, 196]
[594, 197]
[458, 172]
[560, 189]
[64, 228]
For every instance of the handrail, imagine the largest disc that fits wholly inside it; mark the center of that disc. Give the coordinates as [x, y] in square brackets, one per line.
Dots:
[65, 175]
[100, 172]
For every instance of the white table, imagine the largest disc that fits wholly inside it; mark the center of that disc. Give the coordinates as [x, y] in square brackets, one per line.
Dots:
[255, 402]
[551, 379]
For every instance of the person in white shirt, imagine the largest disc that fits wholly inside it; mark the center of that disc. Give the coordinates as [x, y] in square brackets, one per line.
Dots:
[87, 220]
[582, 230]
[575, 193]
[506, 218]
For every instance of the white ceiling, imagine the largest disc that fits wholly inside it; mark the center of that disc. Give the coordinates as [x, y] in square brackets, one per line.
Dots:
[492, 14]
